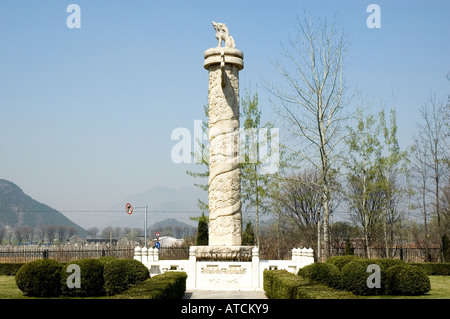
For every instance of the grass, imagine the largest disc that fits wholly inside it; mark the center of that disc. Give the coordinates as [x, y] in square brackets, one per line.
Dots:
[440, 289]
[9, 290]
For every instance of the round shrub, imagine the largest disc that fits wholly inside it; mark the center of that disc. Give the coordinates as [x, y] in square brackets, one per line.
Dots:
[386, 263]
[341, 261]
[91, 279]
[121, 274]
[325, 273]
[354, 277]
[40, 278]
[106, 259]
[406, 280]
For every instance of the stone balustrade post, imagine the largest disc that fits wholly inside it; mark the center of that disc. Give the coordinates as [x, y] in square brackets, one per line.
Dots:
[137, 253]
[255, 267]
[144, 255]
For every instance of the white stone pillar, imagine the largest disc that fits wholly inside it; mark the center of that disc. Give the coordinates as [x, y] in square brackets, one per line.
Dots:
[224, 64]
[295, 255]
[155, 254]
[192, 269]
[309, 256]
[255, 268]
[144, 254]
[137, 253]
[303, 252]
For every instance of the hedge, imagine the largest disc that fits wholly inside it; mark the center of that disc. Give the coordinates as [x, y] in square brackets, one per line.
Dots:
[48, 277]
[397, 277]
[341, 261]
[169, 285]
[354, 277]
[324, 273]
[121, 274]
[441, 269]
[10, 269]
[406, 280]
[281, 284]
[92, 282]
[40, 278]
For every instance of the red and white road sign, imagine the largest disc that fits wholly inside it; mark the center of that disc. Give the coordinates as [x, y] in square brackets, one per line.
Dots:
[157, 235]
[129, 208]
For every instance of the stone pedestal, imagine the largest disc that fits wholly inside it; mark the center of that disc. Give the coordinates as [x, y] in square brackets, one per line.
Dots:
[216, 272]
[224, 64]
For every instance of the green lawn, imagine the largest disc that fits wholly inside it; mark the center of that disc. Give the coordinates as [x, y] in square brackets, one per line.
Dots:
[440, 289]
[8, 288]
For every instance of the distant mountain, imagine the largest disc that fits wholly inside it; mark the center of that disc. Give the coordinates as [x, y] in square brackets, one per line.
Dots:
[171, 227]
[163, 203]
[19, 209]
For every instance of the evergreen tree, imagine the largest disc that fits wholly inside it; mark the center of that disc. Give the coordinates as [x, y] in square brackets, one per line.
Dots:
[446, 248]
[248, 237]
[349, 250]
[202, 232]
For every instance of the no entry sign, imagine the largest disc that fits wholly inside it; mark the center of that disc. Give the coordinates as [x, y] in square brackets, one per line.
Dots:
[129, 208]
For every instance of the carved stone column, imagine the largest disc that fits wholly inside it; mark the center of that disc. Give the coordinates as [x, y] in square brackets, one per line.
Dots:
[224, 64]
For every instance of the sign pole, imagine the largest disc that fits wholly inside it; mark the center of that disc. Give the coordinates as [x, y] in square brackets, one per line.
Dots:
[145, 229]
[129, 210]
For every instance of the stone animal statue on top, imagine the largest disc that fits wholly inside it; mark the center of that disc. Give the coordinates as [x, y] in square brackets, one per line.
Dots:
[222, 34]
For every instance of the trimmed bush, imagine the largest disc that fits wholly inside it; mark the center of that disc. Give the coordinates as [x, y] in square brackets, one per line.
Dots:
[121, 274]
[440, 269]
[354, 277]
[91, 279]
[106, 259]
[386, 263]
[341, 261]
[40, 278]
[406, 280]
[9, 269]
[325, 273]
[170, 285]
[281, 284]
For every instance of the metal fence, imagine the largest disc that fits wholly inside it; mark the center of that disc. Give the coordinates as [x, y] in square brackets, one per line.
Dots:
[407, 254]
[65, 253]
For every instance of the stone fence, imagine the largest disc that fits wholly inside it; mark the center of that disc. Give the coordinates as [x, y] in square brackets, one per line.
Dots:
[223, 273]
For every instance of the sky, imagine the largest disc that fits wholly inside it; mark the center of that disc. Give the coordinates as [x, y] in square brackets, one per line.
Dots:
[86, 114]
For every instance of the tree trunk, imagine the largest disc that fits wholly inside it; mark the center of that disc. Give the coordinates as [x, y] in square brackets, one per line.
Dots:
[257, 210]
[319, 228]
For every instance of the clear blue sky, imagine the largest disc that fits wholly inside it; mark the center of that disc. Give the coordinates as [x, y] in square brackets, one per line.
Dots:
[86, 114]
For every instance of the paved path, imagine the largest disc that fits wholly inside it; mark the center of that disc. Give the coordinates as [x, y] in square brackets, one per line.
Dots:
[224, 294]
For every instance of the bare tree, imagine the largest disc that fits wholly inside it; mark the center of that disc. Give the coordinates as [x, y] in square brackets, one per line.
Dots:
[93, 231]
[2, 233]
[72, 231]
[312, 106]
[19, 234]
[301, 205]
[445, 207]
[433, 132]
[62, 233]
[51, 233]
[420, 172]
